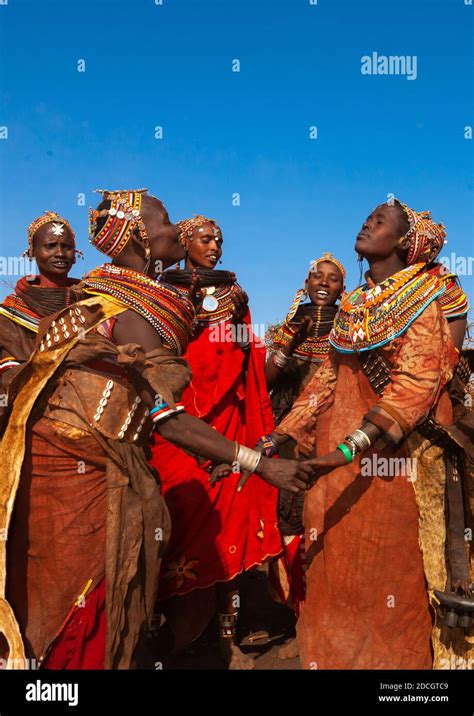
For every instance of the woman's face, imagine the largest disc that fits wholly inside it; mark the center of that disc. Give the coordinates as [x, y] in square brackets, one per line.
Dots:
[54, 249]
[205, 248]
[162, 234]
[380, 233]
[324, 285]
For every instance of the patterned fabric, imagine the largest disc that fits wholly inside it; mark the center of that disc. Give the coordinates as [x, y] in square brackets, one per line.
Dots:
[426, 238]
[123, 218]
[373, 315]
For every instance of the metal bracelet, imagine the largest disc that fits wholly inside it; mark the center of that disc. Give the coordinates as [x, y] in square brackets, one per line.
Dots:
[248, 459]
[280, 359]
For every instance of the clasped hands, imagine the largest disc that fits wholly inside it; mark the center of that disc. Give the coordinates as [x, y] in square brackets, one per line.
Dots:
[292, 475]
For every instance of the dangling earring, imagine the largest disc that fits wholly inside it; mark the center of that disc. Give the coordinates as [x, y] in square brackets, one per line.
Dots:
[360, 259]
[148, 259]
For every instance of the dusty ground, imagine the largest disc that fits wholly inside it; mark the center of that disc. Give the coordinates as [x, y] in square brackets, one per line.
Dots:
[264, 627]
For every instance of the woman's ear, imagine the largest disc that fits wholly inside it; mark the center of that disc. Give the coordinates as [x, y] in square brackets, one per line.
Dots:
[403, 243]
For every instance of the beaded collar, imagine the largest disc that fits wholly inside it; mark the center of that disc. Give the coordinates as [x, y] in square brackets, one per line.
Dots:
[316, 347]
[373, 315]
[15, 308]
[166, 309]
[218, 287]
[454, 301]
[30, 302]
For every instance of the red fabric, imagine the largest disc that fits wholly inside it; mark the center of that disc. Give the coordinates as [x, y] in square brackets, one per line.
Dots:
[81, 643]
[286, 576]
[216, 532]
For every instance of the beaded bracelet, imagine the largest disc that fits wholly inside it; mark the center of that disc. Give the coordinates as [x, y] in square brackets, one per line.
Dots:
[352, 446]
[164, 411]
[345, 451]
[267, 445]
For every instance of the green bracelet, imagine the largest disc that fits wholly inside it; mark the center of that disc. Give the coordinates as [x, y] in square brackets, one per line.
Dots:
[345, 451]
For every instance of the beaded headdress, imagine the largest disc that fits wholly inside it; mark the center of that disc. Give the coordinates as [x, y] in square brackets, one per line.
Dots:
[425, 236]
[187, 227]
[123, 216]
[58, 228]
[327, 256]
[301, 293]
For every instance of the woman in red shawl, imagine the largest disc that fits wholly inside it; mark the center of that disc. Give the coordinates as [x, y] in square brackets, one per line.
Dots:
[217, 531]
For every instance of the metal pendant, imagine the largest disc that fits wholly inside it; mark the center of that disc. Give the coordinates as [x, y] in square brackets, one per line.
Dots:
[210, 303]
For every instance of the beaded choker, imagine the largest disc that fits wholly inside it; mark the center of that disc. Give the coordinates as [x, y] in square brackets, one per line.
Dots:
[316, 347]
[372, 316]
[169, 311]
[218, 288]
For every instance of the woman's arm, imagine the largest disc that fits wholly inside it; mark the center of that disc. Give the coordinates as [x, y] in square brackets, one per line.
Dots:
[193, 434]
[275, 365]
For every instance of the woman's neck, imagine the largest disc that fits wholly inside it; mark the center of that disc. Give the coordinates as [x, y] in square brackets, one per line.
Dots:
[380, 269]
[135, 263]
[189, 265]
[45, 281]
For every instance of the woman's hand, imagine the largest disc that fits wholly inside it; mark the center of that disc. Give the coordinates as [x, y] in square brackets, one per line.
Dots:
[326, 463]
[301, 333]
[240, 301]
[289, 475]
[194, 295]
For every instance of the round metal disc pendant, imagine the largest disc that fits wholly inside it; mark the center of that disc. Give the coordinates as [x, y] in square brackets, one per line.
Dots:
[210, 303]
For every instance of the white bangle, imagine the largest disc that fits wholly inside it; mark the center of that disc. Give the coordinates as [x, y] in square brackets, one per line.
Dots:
[248, 459]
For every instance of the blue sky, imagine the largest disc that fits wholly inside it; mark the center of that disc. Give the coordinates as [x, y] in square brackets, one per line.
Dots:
[248, 132]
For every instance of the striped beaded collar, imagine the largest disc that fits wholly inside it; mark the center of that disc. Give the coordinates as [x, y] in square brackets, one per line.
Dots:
[166, 309]
[316, 347]
[375, 314]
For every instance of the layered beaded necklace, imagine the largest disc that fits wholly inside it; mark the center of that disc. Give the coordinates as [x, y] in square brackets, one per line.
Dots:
[170, 312]
[217, 287]
[31, 302]
[372, 316]
[316, 347]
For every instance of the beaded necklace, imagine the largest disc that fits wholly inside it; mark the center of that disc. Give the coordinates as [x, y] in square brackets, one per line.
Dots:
[218, 288]
[372, 316]
[316, 347]
[31, 302]
[454, 301]
[14, 308]
[169, 312]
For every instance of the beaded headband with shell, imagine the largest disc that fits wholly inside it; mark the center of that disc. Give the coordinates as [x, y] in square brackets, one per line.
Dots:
[327, 256]
[58, 228]
[425, 236]
[123, 216]
[187, 227]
